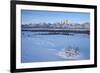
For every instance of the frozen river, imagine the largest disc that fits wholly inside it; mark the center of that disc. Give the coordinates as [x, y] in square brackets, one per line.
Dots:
[44, 46]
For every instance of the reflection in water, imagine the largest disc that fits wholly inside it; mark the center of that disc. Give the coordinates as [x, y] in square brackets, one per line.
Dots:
[54, 46]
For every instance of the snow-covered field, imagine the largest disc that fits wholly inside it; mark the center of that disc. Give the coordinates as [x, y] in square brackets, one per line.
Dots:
[43, 48]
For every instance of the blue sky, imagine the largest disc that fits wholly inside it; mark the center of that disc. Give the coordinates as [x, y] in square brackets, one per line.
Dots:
[33, 16]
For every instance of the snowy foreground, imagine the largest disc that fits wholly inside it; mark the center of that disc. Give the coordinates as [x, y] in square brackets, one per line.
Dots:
[43, 48]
